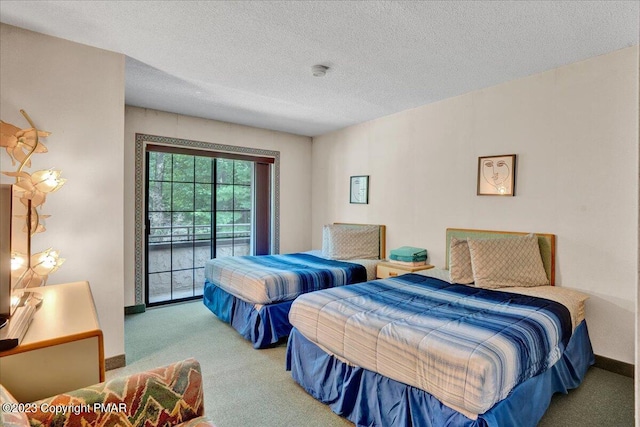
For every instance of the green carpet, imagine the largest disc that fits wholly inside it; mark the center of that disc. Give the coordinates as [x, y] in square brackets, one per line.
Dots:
[247, 387]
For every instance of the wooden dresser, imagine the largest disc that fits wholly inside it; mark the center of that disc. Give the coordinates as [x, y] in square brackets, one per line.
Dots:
[62, 350]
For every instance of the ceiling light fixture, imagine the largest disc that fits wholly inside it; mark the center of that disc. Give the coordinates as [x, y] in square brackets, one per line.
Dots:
[319, 70]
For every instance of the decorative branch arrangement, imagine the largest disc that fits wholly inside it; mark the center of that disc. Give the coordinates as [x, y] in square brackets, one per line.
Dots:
[30, 270]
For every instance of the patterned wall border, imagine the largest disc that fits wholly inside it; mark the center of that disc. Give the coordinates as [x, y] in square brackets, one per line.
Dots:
[139, 192]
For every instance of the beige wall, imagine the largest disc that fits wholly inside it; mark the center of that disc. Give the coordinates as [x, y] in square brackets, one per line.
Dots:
[295, 176]
[575, 131]
[77, 93]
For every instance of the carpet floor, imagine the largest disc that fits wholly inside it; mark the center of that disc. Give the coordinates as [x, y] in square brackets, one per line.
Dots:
[247, 387]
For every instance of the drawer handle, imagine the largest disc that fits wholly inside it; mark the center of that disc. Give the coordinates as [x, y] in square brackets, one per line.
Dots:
[392, 274]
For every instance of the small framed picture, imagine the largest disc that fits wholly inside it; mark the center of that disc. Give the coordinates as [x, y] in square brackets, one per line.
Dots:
[497, 175]
[359, 189]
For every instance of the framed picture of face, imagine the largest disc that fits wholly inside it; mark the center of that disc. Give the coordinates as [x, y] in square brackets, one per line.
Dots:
[497, 175]
[359, 189]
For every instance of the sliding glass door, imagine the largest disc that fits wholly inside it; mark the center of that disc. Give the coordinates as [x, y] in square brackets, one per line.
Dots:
[200, 205]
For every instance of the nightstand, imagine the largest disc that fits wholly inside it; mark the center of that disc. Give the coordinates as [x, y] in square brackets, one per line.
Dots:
[388, 269]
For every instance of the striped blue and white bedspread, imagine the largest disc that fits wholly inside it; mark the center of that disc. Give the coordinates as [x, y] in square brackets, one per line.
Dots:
[466, 346]
[271, 278]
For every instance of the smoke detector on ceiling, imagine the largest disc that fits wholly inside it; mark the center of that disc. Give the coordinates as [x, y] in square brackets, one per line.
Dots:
[319, 70]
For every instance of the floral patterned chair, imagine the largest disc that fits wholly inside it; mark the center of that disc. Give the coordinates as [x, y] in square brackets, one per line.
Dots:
[167, 396]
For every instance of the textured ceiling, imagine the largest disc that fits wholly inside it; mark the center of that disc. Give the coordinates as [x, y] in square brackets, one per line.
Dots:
[250, 62]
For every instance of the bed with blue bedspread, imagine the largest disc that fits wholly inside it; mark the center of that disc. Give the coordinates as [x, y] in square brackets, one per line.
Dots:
[421, 350]
[254, 293]
[416, 350]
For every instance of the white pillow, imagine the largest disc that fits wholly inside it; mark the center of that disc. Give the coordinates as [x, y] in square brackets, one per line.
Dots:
[513, 261]
[351, 241]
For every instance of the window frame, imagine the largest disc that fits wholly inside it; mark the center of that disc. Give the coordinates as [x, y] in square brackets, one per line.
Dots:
[176, 145]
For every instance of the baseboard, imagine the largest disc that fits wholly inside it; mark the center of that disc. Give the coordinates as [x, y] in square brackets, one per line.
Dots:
[612, 365]
[135, 309]
[115, 362]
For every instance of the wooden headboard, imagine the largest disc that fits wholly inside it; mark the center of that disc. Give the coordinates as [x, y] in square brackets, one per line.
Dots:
[382, 240]
[547, 243]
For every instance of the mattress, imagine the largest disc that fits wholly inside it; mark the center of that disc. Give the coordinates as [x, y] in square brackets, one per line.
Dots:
[466, 346]
[274, 278]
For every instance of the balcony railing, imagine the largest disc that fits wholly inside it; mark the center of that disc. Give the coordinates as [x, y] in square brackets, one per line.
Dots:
[177, 256]
[191, 233]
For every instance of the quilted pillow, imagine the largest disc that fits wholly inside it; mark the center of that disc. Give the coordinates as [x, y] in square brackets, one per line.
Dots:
[460, 262]
[351, 242]
[514, 261]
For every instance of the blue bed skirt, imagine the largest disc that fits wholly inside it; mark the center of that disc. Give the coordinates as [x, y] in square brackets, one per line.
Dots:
[369, 399]
[263, 326]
